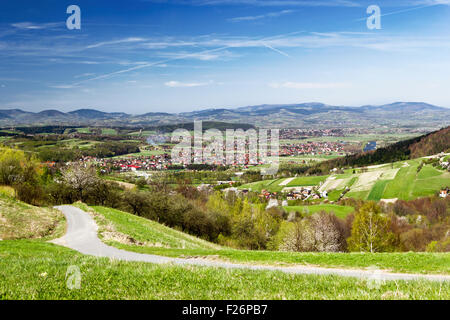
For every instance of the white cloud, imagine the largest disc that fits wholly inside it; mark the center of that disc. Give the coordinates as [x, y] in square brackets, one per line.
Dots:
[268, 3]
[310, 85]
[120, 41]
[178, 84]
[84, 75]
[63, 86]
[35, 26]
[261, 16]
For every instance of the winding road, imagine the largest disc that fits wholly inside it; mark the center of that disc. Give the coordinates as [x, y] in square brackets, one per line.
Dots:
[82, 236]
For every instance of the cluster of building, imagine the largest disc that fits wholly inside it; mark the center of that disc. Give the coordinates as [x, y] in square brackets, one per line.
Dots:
[304, 193]
[312, 148]
[445, 164]
[148, 163]
[288, 134]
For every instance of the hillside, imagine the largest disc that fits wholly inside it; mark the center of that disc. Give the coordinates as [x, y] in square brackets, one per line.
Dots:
[399, 180]
[153, 238]
[430, 144]
[304, 115]
[426, 145]
[125, 228]
[19, 220]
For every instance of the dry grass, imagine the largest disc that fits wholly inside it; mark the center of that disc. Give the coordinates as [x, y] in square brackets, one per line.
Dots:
[108, 232]
[22, 221]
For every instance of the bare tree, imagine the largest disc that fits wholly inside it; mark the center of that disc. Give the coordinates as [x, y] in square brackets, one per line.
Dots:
[300, 238]
[327, 232]
[321, 232]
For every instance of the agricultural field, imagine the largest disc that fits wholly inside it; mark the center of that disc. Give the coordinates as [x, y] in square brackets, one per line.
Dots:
[278, 185]
[109, 131]
[339, 211]
[143, 153]
[84, 130]
[400, 180]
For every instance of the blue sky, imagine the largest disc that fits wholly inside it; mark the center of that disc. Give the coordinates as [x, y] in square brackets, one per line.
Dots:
[142, 56]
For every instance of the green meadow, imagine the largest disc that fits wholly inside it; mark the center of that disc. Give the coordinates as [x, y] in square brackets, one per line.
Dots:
[38, 270]
[339, 211]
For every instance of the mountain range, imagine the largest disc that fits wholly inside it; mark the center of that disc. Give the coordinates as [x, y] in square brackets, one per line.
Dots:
[304, 115]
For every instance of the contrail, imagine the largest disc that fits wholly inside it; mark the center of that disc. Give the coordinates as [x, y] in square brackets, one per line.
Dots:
[405, 10]
[276, 50]
[148, 65]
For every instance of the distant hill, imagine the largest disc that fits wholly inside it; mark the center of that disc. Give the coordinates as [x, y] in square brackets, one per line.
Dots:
[304, 115]
[426, 145]
[95, 114]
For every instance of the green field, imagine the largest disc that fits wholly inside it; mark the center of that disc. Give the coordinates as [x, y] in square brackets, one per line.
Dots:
[274, 185]
[378, 190]
[307, 181]
[144, 153]
[109, 131]
[84, 130]
[339, 211]
[38, 270]
[399, 180]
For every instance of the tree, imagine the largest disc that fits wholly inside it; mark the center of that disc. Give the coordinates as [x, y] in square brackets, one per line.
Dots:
[137, 202]
[11, 165]
[23, 173]
[321, 232]
[370, 230]
[327, 232]
[299, 238]
[80, 178]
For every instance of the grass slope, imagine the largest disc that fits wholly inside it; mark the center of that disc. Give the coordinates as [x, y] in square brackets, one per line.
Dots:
[438, 263]
[19, 220]
[144, 230]
[38, 270]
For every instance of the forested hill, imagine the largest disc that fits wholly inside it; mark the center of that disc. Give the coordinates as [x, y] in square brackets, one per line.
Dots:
[429, 144]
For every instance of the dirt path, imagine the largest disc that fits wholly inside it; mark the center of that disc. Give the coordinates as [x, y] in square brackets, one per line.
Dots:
[286, 182]
[82, 236]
